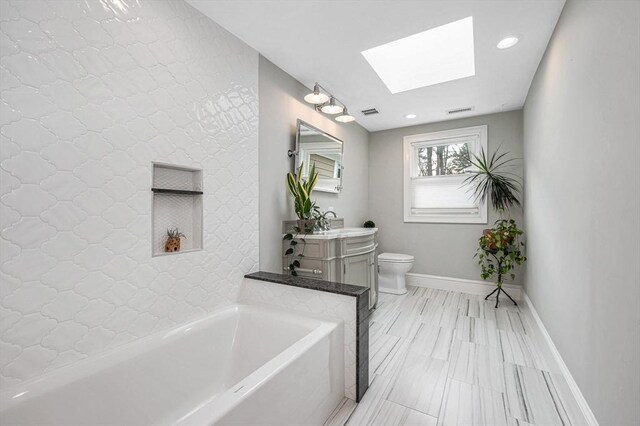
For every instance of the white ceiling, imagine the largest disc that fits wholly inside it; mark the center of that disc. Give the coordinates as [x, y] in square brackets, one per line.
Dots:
[322, 40]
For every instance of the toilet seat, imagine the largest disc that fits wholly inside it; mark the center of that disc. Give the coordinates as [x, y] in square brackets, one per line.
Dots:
[395, 258]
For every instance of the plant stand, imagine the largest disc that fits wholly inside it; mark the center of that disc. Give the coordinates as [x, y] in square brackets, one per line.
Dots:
[499, 284]
[500, 290]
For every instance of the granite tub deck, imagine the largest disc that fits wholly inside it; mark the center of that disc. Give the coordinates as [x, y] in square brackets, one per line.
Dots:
[346, 302]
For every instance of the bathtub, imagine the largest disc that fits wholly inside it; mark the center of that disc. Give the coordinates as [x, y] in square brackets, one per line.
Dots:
[242, 365]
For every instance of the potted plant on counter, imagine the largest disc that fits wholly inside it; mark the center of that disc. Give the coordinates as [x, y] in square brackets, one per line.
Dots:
[301, 190]
[306, 211]
[499, 248]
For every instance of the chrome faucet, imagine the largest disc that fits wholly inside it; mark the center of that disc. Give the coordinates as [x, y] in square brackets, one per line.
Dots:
[322, 222]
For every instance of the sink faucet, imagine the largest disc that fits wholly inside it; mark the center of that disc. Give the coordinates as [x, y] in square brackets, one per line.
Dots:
[322, 222]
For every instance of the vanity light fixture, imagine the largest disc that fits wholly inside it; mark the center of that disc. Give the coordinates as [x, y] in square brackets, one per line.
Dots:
[325, 102]
[316, 97]
[508, 42]
[345, 117]
[331, 107]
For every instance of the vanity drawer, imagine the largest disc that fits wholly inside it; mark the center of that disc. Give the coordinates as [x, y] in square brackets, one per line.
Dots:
[317, 249]
[358, 245]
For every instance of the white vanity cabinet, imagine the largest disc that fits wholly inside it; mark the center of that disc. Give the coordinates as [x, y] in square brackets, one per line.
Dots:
[346, 255]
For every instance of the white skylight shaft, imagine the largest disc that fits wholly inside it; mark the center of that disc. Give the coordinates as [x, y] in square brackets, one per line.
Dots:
[434, 56]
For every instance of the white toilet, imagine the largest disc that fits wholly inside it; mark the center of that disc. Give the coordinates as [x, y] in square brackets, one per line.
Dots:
[391, 270]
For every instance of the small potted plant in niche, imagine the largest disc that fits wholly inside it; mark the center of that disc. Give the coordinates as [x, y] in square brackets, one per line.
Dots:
[499, 248]
[173, 240]
[306, 211]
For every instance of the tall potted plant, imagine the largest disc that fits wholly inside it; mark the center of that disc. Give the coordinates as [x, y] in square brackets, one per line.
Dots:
[301, 190]
[499, 248]
[306, 211]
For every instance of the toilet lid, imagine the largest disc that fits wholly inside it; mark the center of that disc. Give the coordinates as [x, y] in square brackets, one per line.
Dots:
[395, 257]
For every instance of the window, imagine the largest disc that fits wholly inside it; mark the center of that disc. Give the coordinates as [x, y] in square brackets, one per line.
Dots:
[435, 167]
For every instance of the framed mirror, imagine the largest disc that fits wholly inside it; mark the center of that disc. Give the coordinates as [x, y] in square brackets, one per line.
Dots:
[316, 146]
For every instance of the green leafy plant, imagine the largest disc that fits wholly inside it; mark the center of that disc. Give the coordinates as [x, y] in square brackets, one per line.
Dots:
[301, 190]
[500, 250]
[369, 224]
[306, 211]
[491, 181]
[294, 258]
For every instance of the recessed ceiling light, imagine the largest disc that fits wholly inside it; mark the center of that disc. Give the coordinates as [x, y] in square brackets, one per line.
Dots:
[434, 56]
[410, 116]
[507, 42]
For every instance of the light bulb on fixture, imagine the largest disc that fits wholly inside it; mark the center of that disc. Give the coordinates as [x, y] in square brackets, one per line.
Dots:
[316, 97]
[331, 107]
[508, 42]
[345, 117]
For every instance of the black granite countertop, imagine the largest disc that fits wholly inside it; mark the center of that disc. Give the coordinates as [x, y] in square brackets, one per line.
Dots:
[313, 284]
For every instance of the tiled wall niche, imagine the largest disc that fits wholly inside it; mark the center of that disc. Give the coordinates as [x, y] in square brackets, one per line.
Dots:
[92, 92]
[177, 203]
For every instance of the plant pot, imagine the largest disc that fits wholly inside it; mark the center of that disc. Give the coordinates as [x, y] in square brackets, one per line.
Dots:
[490, 244]
[306, 225]
[490, 240]
[172, 245]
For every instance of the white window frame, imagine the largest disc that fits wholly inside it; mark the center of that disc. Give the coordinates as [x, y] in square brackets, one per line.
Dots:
[476, 137]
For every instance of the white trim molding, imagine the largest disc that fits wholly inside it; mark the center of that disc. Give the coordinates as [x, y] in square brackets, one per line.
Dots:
[589, 417]
[460, 284]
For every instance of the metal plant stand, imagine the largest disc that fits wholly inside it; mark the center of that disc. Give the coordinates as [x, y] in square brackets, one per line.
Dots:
[499, 283]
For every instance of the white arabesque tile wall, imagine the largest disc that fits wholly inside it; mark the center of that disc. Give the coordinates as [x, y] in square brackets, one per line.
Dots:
[92, 92]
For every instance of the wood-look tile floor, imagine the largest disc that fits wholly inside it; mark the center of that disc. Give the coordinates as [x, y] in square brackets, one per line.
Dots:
[447, 358]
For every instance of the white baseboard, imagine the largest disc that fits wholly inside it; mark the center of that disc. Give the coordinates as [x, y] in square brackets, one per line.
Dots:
[564, 370]
[391, 291]
[460, 284]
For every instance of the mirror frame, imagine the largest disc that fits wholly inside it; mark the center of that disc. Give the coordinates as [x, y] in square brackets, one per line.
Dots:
[297, 159]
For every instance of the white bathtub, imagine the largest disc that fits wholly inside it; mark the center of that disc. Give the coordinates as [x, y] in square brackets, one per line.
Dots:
[243, 365]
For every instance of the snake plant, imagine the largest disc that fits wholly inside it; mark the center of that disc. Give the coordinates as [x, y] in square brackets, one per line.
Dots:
[301, 190]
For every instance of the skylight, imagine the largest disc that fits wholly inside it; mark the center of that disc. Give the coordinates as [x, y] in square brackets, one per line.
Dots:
[434, 56]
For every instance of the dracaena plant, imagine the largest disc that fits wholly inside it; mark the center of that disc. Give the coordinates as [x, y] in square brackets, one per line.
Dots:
[491, 181]
[301, 190]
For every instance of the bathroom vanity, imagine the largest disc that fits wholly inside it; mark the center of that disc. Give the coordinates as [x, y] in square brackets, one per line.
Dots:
[346, 255]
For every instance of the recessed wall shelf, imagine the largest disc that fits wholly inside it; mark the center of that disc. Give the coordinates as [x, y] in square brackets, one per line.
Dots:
[177, 203]
[175, 191]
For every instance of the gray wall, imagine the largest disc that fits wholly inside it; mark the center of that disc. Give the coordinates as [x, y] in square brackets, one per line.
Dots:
[439, 249]
[581, 148]
[281, 104]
